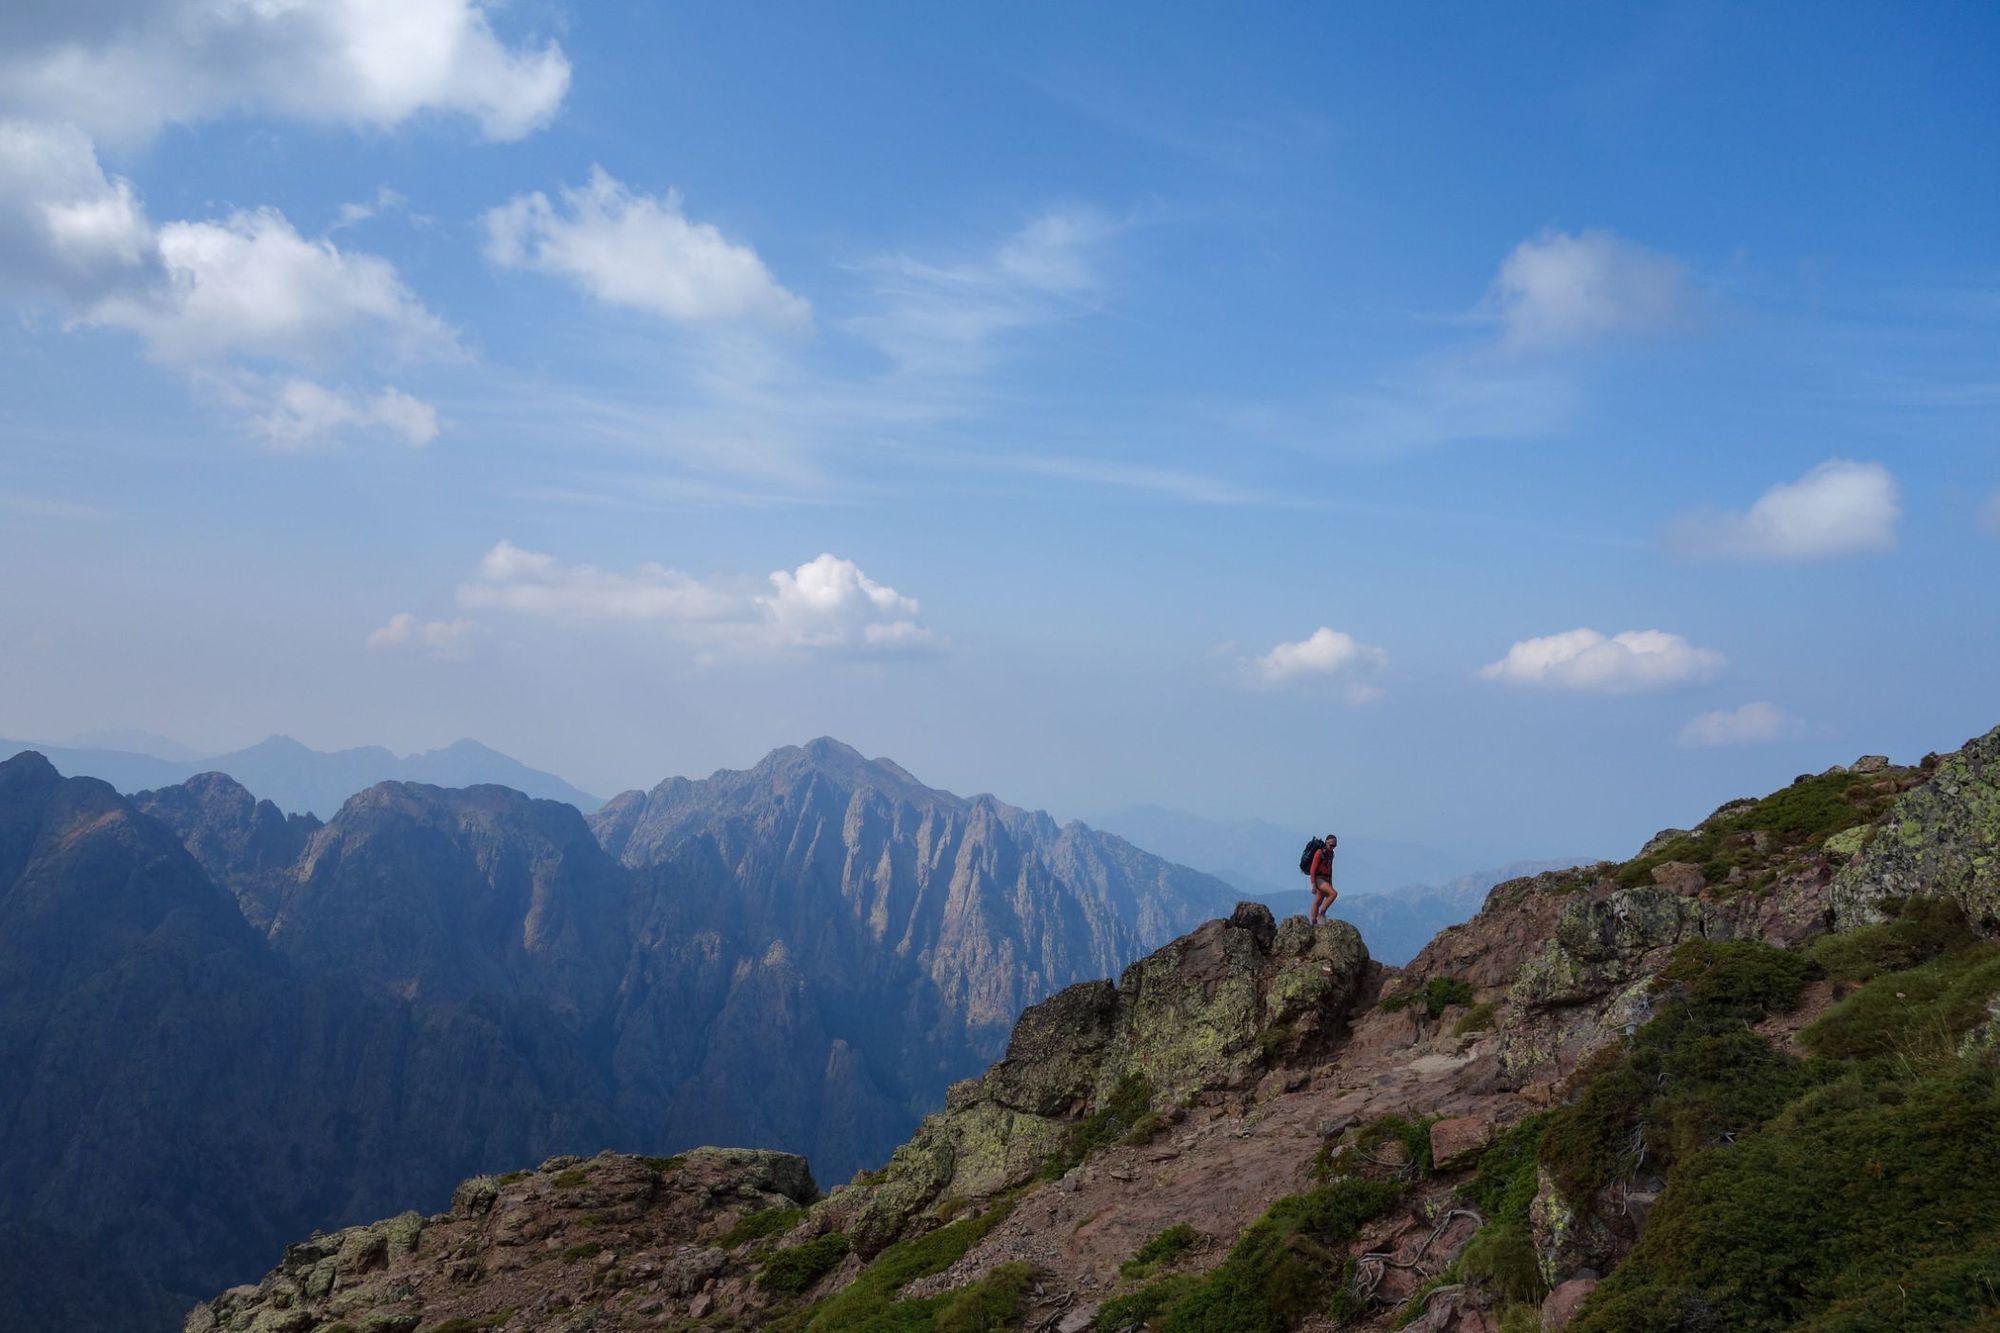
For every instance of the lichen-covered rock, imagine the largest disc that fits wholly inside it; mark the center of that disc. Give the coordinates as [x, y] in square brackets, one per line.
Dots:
[1941, 838]
[1603, 944]
[1206, 1012]
[1568, 1240]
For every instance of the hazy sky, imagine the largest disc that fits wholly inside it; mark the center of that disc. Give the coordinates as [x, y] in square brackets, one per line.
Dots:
[1450, 423]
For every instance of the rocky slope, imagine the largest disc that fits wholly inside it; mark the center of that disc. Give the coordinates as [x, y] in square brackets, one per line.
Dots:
[260, 1024]
[1590, 1106]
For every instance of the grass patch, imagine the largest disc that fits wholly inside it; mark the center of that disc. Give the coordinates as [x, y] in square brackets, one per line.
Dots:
[1691, 1077]
[1160, 1251]
[793, 1272]
[1502, 1257]
[1436, 995]
[589, 1249]
[662, 1165]
[1479, 1018]
[1129, 1104]
[1503, 1184]
[571, 1179]
[1901, 1013]
[868, 1304]
[760, 1225]
[1283, 1267]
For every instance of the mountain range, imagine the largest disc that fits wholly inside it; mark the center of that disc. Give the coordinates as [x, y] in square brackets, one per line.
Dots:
[1747, 1079]
[294, 777]
[225, 1025]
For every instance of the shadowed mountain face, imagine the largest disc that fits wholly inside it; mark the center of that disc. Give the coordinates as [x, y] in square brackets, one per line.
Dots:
[223, 1026]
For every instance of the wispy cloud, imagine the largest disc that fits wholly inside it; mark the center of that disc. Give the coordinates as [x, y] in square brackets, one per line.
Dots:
[1323, 654]
[439, 640]
[1752, 724]
[1560, 288]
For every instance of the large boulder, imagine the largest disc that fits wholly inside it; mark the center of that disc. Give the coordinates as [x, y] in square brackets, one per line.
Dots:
[1941, 838]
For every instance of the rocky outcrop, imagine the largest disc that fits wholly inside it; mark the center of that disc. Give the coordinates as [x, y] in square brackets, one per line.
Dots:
[538, 1248]
[1942, 838]
[248, 846]
[1210, 1011]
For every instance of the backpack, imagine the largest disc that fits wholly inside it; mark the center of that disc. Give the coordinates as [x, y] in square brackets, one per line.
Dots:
[1313, 849]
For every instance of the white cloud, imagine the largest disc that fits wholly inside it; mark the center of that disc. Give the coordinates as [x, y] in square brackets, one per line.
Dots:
[1324, 652]
[638, 250]
[440, 640]
[829, 603]
[125, 68]
[1989, 515]
[250, 285]
[1563, 287]
[298, 412]
[1752, 724]
[1584, 659]
[1838, 508]
[67, 231]
[825, 604]
[533, 583]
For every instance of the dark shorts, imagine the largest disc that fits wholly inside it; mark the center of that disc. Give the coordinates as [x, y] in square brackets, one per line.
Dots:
[1322, 883]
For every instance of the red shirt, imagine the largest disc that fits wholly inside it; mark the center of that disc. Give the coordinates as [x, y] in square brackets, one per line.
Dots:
[1322, 864]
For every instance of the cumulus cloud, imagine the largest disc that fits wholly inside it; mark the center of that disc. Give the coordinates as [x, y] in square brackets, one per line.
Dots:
[250, 285]
[826, 603]
[124, 68]
[68, 232]
[829, 603]
[640, 251]
[1838, 508]
[1326, 652]
[214, 299]
[440, 640]
[1752, 724]
[1563, 287]
[1586, 660]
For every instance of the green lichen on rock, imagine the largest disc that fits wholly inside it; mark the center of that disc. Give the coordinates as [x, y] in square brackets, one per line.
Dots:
[1603, 944]
[1943, 838]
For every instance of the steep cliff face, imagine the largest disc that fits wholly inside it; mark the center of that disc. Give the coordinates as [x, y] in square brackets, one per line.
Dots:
[177, 1099]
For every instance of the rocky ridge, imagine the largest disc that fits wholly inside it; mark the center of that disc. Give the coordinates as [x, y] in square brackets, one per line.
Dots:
[1223, 1104]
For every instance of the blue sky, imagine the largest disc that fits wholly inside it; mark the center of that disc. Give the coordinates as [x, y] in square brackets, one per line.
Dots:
[1507, 429]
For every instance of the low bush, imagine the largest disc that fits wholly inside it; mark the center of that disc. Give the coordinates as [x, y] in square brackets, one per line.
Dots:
[1436, 995]
[1478, 1018]
[763, 1223]
[1160, 1251]
[794, 1271]
[869, 1305]
[1129, 1104]
[1283, 1267]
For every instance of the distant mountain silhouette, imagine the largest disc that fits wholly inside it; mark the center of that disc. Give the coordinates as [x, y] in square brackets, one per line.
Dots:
[301, 780]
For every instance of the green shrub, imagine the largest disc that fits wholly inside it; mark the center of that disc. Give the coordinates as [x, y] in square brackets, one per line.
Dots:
[794, 1271]
[466, 1325]
[1282, 1268]
[1895, 1010]
[663, 1165]
[1436, 995]
[1692, 1076]
[572, 1178]
[1504, 1183]
[589, 1249]
[1478, 1018]
[1502, 1256]
[763, 1223]
[1160, 1251]
[993, 1303]
[869, 1305]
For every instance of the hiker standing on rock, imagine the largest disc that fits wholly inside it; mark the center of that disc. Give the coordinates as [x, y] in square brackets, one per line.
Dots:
[1317, 863]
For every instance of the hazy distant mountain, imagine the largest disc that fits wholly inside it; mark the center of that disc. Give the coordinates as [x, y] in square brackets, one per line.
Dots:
[1261, 858]
[301, 780]
[222, 1025]
[134, 740]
